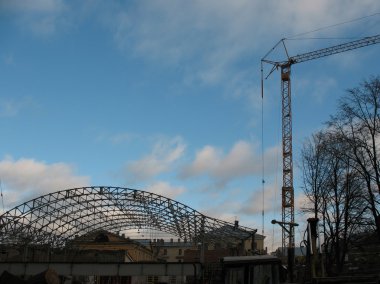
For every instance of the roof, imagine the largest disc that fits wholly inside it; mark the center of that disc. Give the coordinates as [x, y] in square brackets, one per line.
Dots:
[100, 236]
[104, 238]
[250, 259]
[298, 251]
[236, 232]
[162, 243]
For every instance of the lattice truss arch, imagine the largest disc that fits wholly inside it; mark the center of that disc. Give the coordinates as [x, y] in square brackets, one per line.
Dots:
[56, 218]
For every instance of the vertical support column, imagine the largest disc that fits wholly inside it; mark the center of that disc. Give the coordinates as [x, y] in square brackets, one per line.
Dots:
[312, 251]
[202, 248]
[253, 242]
[202, 255]
[287, 168]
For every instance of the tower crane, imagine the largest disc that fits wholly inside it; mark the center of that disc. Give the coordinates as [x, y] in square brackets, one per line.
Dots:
[287, 222]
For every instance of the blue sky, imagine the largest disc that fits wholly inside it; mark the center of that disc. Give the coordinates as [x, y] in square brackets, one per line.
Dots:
[164, 96]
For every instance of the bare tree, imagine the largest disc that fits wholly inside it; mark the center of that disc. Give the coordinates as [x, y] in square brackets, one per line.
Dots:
[315, 172]
[334, 189]
[357, 124]
[341, 170]
[343, 202]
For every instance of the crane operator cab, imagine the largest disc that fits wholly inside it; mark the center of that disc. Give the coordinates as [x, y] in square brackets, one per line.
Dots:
[260, 269]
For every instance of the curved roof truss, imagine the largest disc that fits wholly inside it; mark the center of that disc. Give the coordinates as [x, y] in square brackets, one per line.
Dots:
[56, 218]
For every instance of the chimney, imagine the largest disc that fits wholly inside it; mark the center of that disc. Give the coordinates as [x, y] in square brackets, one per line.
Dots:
[236, 224]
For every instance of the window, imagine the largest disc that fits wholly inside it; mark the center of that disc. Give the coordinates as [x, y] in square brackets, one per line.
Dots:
[180, 252]
[172, 280]
[151, 279]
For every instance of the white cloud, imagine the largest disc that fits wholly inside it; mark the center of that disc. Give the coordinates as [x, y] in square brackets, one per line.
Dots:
[177, 32]
[164, 154]
[166, 189]
[206, 159]
[319, 88]
[39, 16]
[121, 137]
[242, 160]
[44, 6]
[219, 42]
[302, 202]
[213, 36]
[255, 204]
[218, 208]
[117, 138]
[27, 178]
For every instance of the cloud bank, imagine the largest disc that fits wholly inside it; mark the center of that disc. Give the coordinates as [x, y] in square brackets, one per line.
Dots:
[24, 179]
[242, 160]
[164, 154]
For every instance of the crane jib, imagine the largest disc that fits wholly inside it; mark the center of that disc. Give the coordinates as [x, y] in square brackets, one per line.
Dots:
[334, 49]
[299, 58]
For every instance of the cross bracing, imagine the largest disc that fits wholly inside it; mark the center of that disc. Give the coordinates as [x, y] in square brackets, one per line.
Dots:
[56, 218]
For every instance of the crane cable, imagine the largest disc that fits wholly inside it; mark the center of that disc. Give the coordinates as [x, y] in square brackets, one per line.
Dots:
[275, 210]
[262, 151]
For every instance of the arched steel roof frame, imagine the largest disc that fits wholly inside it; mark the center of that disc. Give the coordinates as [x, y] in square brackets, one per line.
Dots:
[57, 218]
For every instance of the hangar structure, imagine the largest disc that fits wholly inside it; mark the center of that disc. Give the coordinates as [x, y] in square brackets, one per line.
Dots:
[57, 218]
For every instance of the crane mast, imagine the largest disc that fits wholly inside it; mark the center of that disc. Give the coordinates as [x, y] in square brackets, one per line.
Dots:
[287, 159]
[287, 222]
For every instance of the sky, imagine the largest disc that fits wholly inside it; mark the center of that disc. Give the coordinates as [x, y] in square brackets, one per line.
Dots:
[165, 96]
